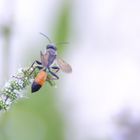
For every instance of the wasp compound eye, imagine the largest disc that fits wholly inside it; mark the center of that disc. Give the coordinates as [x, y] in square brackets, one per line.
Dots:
[51, 47]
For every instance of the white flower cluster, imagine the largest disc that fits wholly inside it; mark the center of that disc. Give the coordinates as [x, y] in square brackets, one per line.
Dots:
[12, 90]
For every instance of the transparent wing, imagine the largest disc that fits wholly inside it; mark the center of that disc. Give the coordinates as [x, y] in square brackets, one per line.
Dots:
[44, 58]
[64, 66]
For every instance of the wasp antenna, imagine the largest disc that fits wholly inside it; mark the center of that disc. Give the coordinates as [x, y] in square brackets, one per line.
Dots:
[46, 37]
[59, 43]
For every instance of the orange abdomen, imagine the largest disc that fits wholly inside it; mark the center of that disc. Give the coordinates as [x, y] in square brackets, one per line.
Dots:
[41, 78]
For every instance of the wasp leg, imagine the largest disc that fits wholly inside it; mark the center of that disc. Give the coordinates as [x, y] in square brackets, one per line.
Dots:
[53, 74]
[39, 67]
[56, 68]
[36, 61]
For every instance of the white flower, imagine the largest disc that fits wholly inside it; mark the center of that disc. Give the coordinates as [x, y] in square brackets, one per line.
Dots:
[7, 84]
[12, 89]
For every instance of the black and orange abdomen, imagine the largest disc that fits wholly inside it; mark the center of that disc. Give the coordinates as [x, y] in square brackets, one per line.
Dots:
[39, 81]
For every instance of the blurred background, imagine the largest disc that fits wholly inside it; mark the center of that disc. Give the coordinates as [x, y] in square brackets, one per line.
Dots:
[100, 100]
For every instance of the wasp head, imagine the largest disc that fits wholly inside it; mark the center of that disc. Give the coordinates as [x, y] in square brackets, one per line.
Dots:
[51, 46]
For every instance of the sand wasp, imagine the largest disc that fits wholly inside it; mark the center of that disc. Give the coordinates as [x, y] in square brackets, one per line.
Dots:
[50, 61]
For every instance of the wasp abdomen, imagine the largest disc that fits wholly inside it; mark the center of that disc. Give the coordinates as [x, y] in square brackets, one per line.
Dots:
[39, 81]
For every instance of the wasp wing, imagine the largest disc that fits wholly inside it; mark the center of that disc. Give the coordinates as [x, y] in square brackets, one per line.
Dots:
[44, 58]
[64, 66]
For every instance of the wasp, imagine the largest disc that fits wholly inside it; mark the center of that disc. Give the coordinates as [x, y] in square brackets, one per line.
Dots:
[50, 61]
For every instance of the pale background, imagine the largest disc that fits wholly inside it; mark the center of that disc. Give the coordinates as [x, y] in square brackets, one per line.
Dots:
[101, 98]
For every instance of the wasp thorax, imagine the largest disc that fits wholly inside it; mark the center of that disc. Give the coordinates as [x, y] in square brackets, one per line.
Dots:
[51, 46]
